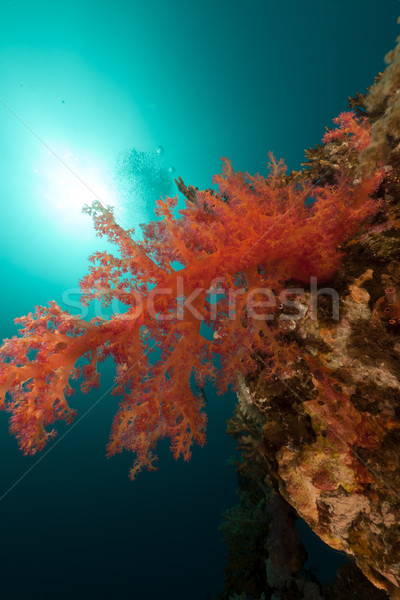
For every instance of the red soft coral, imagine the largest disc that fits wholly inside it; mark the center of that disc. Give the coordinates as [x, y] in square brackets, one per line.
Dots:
[350, 130]
[255, 232]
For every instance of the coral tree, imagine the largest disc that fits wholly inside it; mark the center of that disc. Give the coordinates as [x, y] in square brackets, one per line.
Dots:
[255, 232]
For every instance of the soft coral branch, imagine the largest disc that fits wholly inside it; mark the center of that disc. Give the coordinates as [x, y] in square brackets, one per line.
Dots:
[39, 385]
[254, 231]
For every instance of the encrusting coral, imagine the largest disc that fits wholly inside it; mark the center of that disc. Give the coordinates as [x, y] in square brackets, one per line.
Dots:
[332, 422]
[383, 106]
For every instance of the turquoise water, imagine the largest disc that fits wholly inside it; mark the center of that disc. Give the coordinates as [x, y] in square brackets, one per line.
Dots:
[81, 82]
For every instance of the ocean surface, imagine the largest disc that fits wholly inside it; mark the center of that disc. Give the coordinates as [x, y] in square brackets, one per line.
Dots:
[113, 100]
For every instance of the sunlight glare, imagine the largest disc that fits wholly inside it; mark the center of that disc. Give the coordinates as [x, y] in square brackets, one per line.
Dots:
[67, 183]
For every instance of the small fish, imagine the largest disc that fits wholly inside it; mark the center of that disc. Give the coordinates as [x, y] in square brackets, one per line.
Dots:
[202, 393]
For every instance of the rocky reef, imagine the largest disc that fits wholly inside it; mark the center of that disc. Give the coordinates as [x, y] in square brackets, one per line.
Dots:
[325, 436]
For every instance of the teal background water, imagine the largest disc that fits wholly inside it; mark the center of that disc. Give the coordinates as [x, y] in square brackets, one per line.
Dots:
[92, 79]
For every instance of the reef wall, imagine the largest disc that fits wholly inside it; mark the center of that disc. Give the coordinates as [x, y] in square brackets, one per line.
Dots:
[329, 429]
